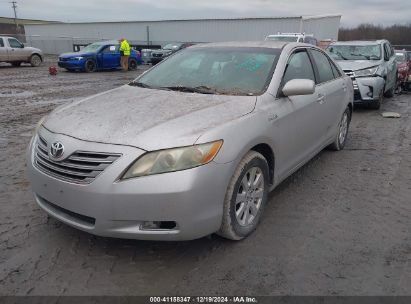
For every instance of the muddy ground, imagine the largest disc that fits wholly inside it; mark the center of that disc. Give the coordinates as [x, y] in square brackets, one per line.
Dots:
[340, 226]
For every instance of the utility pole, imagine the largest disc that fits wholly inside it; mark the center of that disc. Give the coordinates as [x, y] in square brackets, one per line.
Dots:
[14, 5]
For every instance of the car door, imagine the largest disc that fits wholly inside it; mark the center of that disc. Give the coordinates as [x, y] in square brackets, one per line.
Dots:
[3, 51]
[390, 66]
[298, 129]
[332, 89]
[16, 50]
[110, 57]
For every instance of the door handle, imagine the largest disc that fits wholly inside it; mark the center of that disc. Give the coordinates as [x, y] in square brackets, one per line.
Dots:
[321, 98]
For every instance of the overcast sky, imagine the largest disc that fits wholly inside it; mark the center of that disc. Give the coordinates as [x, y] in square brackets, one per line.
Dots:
[353, 11]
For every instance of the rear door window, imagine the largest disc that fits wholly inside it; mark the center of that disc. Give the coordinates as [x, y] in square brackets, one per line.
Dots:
[325, 72]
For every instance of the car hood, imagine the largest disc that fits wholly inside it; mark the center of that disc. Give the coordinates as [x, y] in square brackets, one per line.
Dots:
[75, 54]
[145, 118]
[162, 52]
[356, 65]
[32, 49]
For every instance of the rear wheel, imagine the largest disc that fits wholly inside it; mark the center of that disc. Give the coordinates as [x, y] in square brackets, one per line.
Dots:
[35, 60]
[246, 197]
[132, 65]
[16, 64]
[90, 66]
[342, 133]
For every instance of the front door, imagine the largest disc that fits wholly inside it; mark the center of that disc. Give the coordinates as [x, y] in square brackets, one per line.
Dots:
[16, 50]
[298, 128]
[110, 57]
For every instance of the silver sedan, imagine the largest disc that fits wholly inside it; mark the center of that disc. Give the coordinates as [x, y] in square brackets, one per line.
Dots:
[194, 145]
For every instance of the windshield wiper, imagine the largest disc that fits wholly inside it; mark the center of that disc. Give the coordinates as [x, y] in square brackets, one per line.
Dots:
[342, 56]
[140, 84]
[198, 89]
[361, 55]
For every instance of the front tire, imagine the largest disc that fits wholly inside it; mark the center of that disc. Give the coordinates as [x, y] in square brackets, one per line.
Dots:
[90, 66]
[35, 60]
[246, 197]
[341, 137]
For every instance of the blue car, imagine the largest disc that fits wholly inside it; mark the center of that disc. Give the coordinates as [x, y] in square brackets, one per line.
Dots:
[104, 55]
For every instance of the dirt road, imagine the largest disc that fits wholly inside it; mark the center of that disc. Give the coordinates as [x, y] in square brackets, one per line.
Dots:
[340, 226]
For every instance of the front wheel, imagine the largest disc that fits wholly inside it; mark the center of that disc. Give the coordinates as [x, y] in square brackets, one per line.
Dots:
[342, 133]
[90, 66]
[35, 60]
[246, 197]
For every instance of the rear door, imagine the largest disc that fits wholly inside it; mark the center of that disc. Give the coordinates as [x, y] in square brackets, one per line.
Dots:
[332, 89]
[3, 51]
[16, 50]
[110, 57]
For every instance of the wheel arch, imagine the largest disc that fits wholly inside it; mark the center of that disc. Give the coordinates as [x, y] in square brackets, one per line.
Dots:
[38, 54]
[268, 153]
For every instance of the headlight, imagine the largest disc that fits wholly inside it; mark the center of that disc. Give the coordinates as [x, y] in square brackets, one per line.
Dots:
[366, 72]
[171, 160]
[39, 124]
[78, 58]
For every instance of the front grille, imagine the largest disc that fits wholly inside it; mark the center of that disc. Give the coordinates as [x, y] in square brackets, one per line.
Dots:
[157, 55]
[63, 59]
[80, 167]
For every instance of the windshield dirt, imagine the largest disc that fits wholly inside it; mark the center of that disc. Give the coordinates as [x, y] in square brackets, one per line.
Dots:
[231, 71]
[355, 52]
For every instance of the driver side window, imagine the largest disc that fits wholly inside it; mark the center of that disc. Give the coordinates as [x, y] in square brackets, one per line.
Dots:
[299, 67]
[14, 43]
[110, 49]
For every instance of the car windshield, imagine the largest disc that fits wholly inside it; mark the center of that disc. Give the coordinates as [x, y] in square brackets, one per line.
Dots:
[355, 52]
[91, 47]
[400, 57]
[222, 70]
[282, 38]
[171, 46]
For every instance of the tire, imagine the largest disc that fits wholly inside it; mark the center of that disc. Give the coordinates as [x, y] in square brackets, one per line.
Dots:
[238, 226]
[90, 66]
[376, 105]
[132, 65]
[343, 127]
[390, 93]
[35, 60]
[16, 64]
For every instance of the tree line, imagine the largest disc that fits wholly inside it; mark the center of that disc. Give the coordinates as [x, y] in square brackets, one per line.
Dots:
[396, 34]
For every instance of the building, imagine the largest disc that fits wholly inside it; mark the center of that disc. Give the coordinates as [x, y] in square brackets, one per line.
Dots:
[59, 37]
[16, 27]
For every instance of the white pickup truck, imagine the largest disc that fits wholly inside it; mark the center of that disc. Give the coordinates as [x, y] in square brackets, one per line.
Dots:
[14, 52]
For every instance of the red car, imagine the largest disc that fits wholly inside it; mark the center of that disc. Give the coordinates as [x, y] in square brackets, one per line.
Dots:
[404, 70]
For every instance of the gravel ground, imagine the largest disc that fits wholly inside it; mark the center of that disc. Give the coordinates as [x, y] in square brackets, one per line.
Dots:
[339, 226]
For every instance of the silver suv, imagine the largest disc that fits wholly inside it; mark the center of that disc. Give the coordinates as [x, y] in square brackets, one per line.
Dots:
[14, 52]
[372, 67]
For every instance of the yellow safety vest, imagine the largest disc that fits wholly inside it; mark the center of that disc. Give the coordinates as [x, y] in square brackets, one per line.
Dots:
[125, 48]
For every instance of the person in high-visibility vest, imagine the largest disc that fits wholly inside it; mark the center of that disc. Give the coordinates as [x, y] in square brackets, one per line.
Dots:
[125, 53]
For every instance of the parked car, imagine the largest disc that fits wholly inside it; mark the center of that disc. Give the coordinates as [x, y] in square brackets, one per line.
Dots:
[167, 50]
[104, 55]
[403, 66]
[146, 56]
[372, 67]
[14, 52]
[293, 37]
[194, 145]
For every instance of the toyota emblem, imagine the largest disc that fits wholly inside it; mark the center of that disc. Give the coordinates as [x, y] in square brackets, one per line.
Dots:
[57, 149]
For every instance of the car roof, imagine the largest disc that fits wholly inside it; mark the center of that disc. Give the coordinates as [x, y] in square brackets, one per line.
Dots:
[358, 42]
[263, 44]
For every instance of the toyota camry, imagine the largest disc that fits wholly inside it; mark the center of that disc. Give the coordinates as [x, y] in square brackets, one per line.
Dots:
[194, 145]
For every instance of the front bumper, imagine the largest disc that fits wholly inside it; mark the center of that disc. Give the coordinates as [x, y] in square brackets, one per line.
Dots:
[193, 199]
[71, 64]
[367, 89]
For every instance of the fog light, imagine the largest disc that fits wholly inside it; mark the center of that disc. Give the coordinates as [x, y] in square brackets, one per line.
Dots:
[371, 92]
[155, 225]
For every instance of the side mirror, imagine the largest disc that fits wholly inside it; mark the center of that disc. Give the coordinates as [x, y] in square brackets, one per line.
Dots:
[299, 87]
